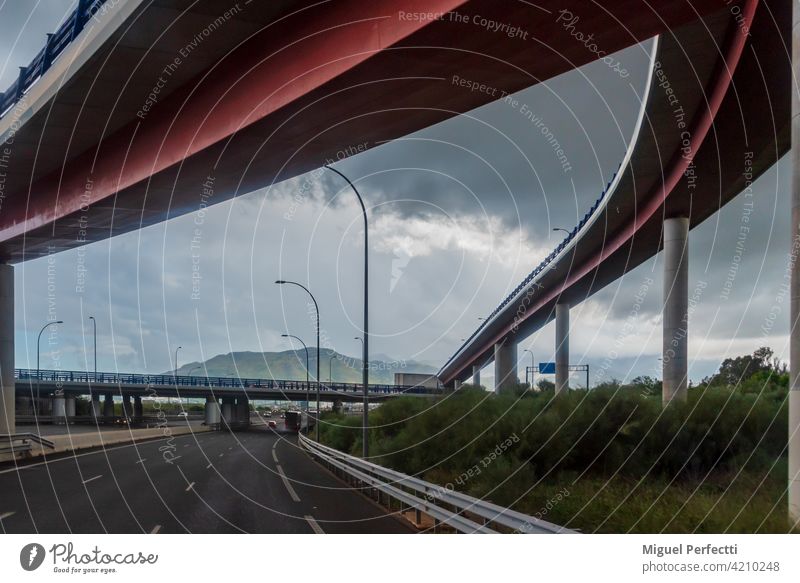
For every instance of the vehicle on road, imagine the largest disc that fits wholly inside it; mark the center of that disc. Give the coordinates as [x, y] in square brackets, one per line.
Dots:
[293, 420]
[272, 424]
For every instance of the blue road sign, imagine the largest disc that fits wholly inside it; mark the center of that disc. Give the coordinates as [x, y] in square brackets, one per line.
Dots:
[547, 368]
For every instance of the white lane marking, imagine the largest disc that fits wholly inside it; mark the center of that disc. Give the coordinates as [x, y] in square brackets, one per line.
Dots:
[274, 456]
[286, 483]
[314, 525]
[187, 445]
[102, 450]
[141, 461]
[93, 479]
[6, 515]
[156, 528]
[222, 454]
[209, 465]
[189, 487]
[177, 457]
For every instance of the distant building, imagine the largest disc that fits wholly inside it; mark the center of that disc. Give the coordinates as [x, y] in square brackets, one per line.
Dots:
[411, 379]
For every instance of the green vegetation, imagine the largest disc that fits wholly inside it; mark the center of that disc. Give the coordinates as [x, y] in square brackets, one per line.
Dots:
[606, 460]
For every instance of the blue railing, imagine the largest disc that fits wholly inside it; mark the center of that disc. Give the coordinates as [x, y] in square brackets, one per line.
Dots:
[543, 265]
[55, 44]
[106, 378]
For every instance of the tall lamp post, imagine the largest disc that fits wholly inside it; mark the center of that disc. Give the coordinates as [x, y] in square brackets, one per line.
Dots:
[316, 308]
[94, 325]
[38, 344]
[365, 355]
[306, 349]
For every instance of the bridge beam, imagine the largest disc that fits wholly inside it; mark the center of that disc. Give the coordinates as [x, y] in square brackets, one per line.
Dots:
[476, 375]
[505, 365]
[562, 347]
[675, 336]
[7, 384]
[794, 329]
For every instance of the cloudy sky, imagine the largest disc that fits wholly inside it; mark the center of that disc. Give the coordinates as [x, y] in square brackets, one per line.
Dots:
[459, 213]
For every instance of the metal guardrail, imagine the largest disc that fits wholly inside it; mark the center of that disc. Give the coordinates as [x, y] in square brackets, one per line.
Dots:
[54, 46]
[462, 512]
[25, 439]
[105, 378]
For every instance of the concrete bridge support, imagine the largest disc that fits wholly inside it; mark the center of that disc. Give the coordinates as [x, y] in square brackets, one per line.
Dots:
[562, 347]
[457, 384]
[127, 409]
[59, 409]
[505, 365]
[7, 386]
[794, 329]
[212, 412]
[108, 407]
[337, 405]
[675, 340]
[69, 406]
[476, 375]
[94, 407]
[228, 410]
[243, 410]
[138, 409]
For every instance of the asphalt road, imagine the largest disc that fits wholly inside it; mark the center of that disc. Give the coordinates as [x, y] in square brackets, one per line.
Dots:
[219, 482]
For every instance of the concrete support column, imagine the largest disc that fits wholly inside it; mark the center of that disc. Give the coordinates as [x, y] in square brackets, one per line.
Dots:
[108, 406]
[457, 384]
[476, 375]
[69, 406]
[94, 407]
[138, 410]
[228, 410]
[794, 330]
[127, 409]
[675, 341]
[59, 410]
[243, 410]
[212, 412]
[7, 385]
[337, 405]
[562, 347]
[505, 365]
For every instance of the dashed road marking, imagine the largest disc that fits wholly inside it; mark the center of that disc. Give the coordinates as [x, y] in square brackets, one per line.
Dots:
[222, 454]
[5, 515]
[286, 483]
[209, 465]
[141, 461]
[92, 479]
[156, 528]
[314, 524]
[274, 456]
[189, 487]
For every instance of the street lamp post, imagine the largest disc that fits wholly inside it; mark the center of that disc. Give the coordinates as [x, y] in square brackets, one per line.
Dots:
[365, 356]
[308, 396]
[316, 308]
[38, 344]
[94, 325]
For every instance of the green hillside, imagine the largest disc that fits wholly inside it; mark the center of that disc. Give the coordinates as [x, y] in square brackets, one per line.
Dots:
[290, 365]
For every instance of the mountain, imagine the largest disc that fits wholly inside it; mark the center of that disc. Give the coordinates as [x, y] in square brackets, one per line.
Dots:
[290, 365]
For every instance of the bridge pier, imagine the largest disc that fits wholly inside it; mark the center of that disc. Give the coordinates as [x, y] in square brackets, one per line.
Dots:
[562, 347]
[212, 412]
[94, 407]
[138, 409]
[243, 410]
[457, 384]
[505, 365]
[69, 407]
[476, 375]
[228, 410]
[7, 383]
[794, 324]
[59, 409]
[126, 407]
[337, 405]
[675, 340]
[108, 407]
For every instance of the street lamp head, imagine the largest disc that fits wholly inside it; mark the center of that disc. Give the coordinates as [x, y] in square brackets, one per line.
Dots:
[91, 317]
[280, 281]
[284, 335]
[59, 322]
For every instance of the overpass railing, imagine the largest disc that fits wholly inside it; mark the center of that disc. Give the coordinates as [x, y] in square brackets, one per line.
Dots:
[106, 378]
[463, 513]
[54, 46]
